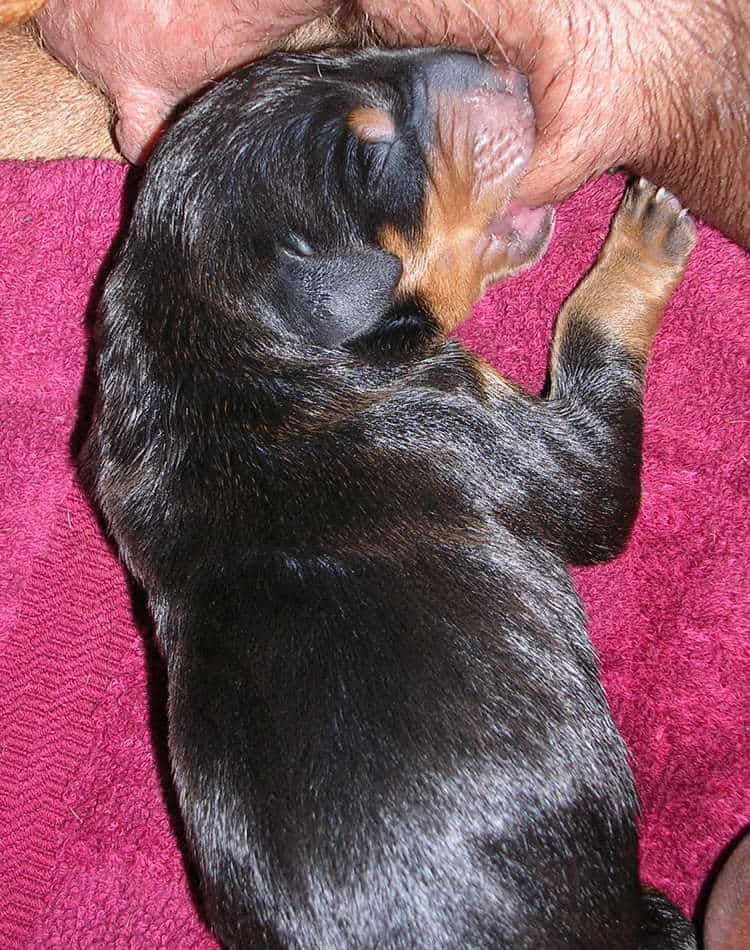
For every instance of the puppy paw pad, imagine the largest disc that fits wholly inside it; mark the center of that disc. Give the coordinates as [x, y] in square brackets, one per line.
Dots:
[658, 220]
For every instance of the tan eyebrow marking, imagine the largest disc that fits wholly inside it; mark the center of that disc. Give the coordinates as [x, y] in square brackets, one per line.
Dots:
[371, 124]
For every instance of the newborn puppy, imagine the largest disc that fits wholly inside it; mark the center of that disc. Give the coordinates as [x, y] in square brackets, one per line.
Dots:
[386, 728]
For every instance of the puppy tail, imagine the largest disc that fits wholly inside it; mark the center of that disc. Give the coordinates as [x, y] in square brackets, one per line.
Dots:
[663, 926]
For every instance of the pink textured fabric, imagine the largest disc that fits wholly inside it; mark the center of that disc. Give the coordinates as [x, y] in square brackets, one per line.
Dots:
[88, 851]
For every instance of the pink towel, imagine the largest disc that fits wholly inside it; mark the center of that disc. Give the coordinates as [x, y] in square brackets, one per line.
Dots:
[88, 851]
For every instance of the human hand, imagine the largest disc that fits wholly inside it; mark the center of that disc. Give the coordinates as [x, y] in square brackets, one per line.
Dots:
[147, 56]
[612, 84]
[615, 83]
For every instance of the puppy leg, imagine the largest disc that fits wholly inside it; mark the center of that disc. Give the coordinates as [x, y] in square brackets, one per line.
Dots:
[623, 297]
[590, 427]
[597, 369]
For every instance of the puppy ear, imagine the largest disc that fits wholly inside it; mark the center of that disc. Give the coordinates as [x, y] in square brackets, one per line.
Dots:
[334, 298]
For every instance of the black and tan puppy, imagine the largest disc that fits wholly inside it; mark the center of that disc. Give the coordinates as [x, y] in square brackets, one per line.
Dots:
[385, 723]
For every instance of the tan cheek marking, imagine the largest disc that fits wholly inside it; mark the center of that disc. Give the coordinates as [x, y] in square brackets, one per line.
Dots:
[448, 265]
[443, 265]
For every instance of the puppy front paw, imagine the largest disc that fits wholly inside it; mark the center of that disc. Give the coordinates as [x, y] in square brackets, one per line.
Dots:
[640, 266]
[656, 225]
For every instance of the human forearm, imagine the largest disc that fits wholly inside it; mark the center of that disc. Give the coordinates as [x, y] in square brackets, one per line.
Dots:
[698, 142]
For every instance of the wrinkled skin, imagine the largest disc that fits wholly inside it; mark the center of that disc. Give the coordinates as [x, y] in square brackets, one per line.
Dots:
[148, 54]
[612, 83]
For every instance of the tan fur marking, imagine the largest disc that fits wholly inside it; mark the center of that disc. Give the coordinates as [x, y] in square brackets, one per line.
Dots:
[494, 384]
[447, 266]
[344, 27]
[633, 279]
[45, 110]
[48, 112]
[455, 257]
[371, 124]
[15, 11]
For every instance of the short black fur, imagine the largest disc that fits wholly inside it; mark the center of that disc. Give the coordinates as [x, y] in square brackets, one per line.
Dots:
[386, 727]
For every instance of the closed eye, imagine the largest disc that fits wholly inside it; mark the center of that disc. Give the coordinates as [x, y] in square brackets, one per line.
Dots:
[376, 161]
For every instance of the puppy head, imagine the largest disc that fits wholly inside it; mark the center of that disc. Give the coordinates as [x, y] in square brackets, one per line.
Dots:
[473, 135]
[344, 194]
